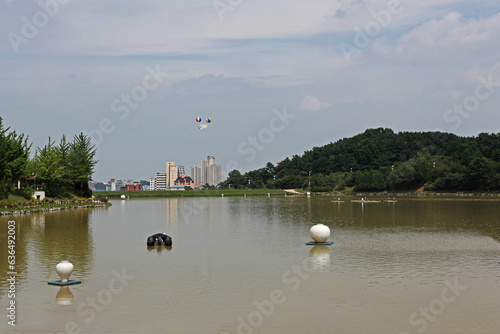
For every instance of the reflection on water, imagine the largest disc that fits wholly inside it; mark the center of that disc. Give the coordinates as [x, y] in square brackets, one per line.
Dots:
[232, 257]
[159, 249]
[64, 296]
[320, 257]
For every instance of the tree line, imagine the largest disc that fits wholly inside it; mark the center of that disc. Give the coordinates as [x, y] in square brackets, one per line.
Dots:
[61, 169]
[382, 160]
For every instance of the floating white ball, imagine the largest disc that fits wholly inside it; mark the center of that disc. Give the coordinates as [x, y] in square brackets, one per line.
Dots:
[122, 196]
[319, 233]
[64, 270]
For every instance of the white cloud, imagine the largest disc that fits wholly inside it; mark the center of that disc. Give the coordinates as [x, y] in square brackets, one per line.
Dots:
[263, 55]
[454, 30]
[312, 103]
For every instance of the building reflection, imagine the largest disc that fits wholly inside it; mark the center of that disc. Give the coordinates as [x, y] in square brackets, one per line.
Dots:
[183, 212]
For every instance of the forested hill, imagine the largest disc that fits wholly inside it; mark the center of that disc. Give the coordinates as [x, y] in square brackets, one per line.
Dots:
[380, 159]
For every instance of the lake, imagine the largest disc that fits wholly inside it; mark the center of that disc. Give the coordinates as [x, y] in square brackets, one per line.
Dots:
[241, 265]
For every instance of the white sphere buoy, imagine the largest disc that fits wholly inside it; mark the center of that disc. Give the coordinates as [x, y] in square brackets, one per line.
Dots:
[64, 270]
[308, 193]
[222, 195]
[319, 233]
[122, 196]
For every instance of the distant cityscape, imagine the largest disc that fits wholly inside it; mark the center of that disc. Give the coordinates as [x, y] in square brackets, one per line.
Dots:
[174, 178]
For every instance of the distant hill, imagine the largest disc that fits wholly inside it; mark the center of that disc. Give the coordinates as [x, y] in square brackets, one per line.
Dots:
[380, 159]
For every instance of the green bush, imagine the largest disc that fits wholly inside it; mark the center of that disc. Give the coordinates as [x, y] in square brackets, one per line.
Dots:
[321, 189]
[26, 192]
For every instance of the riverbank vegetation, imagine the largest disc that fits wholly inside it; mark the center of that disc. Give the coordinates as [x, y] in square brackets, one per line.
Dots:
[19, 205]
[380, 160]
[62, 170]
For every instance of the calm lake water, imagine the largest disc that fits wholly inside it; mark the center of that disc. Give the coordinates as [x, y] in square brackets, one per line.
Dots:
[241, 265]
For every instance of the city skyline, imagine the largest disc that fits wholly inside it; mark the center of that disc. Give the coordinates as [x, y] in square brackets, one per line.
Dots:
[209, 173]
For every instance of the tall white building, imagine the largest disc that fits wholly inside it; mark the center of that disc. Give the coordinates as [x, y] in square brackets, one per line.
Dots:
[161, 181]
[171, 174]
[196, 175]
[210, 172]
[214, 175]
[180, 171]
[204, 165]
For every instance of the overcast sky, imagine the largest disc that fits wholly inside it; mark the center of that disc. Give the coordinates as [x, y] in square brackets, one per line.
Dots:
[276, 77]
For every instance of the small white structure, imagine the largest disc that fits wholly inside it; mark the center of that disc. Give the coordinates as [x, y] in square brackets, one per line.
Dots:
[64, 270]
[39, 195]
[122, 196]
[319, 233]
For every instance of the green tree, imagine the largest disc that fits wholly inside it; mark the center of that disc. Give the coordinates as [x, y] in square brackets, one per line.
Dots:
[14, 157]
[81, 158]
[372, 180]
[63, 151]
[49, 169]
[235, 179]
[4, 188]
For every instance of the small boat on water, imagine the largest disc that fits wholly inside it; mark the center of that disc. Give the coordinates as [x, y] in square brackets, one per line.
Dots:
[364, 200]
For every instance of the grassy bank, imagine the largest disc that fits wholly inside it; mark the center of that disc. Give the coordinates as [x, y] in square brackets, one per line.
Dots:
[190, 193]
[19, 205]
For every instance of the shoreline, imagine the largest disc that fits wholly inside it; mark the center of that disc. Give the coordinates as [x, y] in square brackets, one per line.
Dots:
[20, 209]
[188, 193]
[101, 200]
[52, 209]
[277, 192]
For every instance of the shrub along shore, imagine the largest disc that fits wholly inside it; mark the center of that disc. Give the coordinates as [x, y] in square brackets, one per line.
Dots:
[34, 206]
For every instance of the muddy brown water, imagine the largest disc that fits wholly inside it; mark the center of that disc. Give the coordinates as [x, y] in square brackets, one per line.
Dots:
[241, 265]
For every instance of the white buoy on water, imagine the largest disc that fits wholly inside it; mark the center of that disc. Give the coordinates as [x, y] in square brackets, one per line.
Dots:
[64, 270]
[319, 233]
[122, 196]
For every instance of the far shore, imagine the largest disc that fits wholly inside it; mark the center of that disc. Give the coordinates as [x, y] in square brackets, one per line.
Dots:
[276, 192]
[101, 197]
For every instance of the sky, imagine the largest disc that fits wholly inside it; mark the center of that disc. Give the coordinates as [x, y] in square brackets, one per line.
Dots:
[277, 77]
